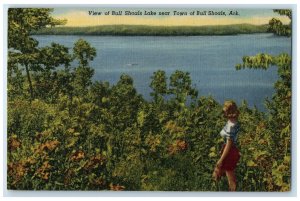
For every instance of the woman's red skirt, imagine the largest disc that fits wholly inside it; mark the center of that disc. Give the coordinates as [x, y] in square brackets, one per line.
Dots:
[231, 159]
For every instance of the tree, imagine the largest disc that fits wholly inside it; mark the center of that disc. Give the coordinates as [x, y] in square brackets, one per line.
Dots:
[181, 87]
[22, 21]
[279, 107]
[159, 85]
[84, 52]
[277, 27]
[23, 49]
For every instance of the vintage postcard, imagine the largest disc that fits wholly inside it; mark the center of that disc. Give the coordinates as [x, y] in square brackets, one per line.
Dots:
[149, 99]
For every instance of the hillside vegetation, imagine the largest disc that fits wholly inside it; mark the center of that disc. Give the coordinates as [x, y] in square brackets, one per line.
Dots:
[68, 132]
[141, 30]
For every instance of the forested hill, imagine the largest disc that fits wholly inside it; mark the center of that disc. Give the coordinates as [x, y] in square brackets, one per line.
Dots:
[142, 30]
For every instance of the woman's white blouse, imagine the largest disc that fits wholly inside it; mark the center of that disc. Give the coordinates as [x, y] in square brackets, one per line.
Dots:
[230, 131]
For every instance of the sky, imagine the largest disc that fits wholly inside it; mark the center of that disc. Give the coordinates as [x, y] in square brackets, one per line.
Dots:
[80, 16]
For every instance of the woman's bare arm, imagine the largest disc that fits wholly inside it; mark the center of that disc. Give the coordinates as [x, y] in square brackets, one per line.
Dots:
[225, 152]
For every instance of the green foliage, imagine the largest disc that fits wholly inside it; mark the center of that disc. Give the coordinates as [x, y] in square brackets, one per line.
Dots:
[278, 126]
[181, 87]
[77, 134]
[82, 79]
[159, 85]
[277, 27]
[113, 139]
[24, 49]
[284, 12]
[272, 141]
[54, 56]
[22, 21]
[83, 52]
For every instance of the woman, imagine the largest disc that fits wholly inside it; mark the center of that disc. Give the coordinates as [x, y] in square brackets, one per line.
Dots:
[229, 153]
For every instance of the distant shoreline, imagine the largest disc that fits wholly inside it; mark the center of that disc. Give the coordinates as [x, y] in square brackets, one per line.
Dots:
[143, 30]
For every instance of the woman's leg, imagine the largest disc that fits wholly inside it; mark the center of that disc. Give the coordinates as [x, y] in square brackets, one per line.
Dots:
[231, 180]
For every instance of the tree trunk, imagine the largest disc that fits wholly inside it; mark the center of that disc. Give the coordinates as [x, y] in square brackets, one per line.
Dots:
[30, 83]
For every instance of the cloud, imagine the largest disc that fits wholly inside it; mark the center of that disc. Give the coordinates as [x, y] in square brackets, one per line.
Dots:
[81, 18]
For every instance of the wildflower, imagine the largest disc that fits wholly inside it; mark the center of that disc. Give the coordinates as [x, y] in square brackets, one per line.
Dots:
[94, 161]
[116, 187]
[14, 143]
[78, 155]
[51, 145]
[16, 171]
[42, 172]
[181, 144]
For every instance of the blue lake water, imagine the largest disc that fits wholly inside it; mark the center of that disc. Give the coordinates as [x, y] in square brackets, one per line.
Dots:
[210, 60]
